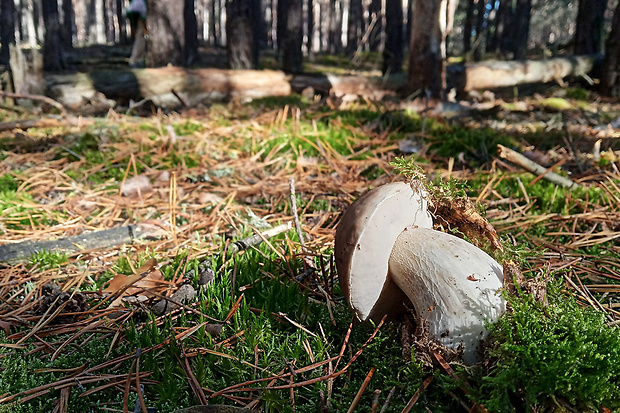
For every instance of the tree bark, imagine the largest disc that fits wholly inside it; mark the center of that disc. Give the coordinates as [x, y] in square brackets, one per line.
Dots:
[68, 20]
[52, 51]
[610, 78]
[494, 74]
[239, 34]
[393, 51]
[335, 26]
[374, 11]
[310, 28]
[7, 29]
[356, 26]
[191, 31]
[166, 86]
[468, 25]
[480, 17]
[166, 44]
[292, 59]
[522, 29]
[214, 23]
[590, 26]
[120, 17]
[432, 20]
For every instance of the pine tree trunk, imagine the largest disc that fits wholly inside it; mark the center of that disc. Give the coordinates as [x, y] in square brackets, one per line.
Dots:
[292, 59]
[522, 29]
[393, 52]
[213, 28]
[239, 35]
[374, 11]
[166, 26]
[7, 29]
[68, 20]
[590, 26]
[335, 26]
[191, 32]
[610, 78]
[120, 17]
[356, 25]
[52, 51]
[468, 26]
[310, 28]
[431, 22]
[480, 17]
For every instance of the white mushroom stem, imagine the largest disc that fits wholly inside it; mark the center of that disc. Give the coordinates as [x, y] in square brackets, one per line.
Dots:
[452, 284]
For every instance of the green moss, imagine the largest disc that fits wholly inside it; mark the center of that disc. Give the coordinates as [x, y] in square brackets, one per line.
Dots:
[549, 352]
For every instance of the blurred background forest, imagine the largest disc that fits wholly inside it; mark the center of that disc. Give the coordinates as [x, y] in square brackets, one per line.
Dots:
[373, 36]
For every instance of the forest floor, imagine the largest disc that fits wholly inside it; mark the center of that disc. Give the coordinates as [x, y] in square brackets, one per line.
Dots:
[265, 327]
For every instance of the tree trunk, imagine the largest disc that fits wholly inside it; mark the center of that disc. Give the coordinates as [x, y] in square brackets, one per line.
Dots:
[213, 24]
[374, 11]
[356, 26]
[258, 29]
[239, 34]
[522, 29]
[432, 20]
[191, 32]
[335, 26]
[292, 59]
[610, 78]
[52, 50]
[310, 28]
[166, 26]
[468, 25]
[120, 17]
[393, 51]
[7, 29]
[480, 17]
[68, 20]
[590, 26]
[281, 34]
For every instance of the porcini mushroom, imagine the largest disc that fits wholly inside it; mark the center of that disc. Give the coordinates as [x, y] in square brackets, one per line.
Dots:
[387, 254]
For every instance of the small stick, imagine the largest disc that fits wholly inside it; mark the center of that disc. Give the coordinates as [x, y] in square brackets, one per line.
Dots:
[40, 98]
[291, 183]
[358, 396]
[387, 400]
[375, 400]
[417, 395]
[256, 239]
[531, 166]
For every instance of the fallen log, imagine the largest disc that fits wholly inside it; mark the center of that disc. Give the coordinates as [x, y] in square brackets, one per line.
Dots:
[106, 238]
[531, 166]
[176, 87]
[166, 86]
[494, 73]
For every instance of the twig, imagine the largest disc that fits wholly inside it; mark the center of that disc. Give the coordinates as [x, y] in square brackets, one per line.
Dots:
[375, 400]
[291, 184]
[531, 166]
[387, 400]
[40, 98]
[256, 239]
[358, 396]
[417, 395]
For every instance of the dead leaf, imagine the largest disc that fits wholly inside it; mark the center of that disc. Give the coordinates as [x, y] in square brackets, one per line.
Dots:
[136, 186]
[209, 198]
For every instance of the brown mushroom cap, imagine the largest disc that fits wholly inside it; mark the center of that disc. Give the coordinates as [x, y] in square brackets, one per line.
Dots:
[364, 241]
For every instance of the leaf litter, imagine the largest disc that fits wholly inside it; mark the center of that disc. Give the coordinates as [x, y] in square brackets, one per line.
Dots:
[200, 203]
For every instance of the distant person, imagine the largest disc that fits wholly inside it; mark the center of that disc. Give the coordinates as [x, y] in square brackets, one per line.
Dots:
[136, 14]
